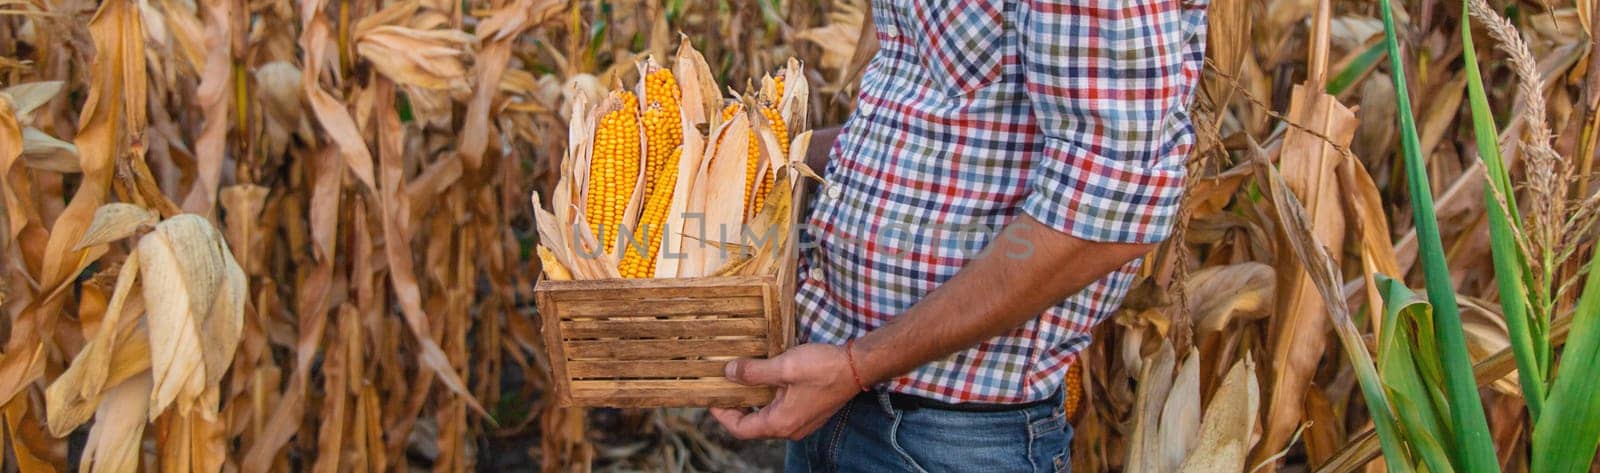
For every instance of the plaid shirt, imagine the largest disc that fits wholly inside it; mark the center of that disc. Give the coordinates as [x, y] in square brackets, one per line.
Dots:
[973, 113]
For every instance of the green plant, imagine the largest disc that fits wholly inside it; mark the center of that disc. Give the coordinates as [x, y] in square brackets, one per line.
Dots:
[1422, 356]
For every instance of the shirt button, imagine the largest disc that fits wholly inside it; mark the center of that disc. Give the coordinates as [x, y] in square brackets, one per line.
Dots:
[834, 191]
[891, 31]
[816, 273]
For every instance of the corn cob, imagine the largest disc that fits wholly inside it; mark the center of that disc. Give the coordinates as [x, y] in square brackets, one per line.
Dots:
[635, 265]
[779, 130]
[663, 138]
[1074, 386]
[662, 126]
[753, 156]
[613, 170]
[553, 269]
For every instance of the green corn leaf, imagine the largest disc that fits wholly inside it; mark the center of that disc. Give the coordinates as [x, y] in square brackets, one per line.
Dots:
[1378, 405]
[1565, 438]
[1510, 267]
[1473, 448]
[1357, 68]
[1422, 443]
[1414, 403]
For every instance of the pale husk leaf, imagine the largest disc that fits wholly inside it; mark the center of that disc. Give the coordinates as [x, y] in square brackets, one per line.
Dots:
[1225, 435]
[114, 443]
[183, 266]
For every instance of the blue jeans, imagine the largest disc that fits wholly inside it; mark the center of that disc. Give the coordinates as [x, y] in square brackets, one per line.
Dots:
[873, 434]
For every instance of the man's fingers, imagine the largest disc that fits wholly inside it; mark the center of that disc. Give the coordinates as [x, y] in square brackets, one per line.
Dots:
[751, 372]
[744, 425]
[729, 418]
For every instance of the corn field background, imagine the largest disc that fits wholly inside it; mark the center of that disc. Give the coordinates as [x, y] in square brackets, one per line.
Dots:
[263, 235]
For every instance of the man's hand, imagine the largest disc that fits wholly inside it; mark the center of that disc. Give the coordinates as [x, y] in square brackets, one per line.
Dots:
[813, 381]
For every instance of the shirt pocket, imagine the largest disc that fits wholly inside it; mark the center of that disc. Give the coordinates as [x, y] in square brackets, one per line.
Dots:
[961, 42]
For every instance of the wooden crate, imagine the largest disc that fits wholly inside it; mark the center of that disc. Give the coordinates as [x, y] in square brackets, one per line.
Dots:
[661, 342]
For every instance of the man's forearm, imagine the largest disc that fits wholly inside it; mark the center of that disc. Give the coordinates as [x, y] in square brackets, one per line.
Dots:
[1024, 271]
[817, 151]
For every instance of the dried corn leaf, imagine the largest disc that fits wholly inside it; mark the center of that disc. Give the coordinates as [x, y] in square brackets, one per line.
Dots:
[10, 151]
[1239, 292]
[216, 87]
[496, 34]
[1310, 168]
[551, 236]
[32, 449]
[244, 204]
[113, 112]
[837, 36]
[336, 121]
[431, 59]
[73, 397]
[670, 259]
[397, 251]
[27, 97]
[1227, 45]
[115, 221]
[47, 153]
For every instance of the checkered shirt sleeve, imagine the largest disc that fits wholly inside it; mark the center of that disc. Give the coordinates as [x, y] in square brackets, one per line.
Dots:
[1109, 83]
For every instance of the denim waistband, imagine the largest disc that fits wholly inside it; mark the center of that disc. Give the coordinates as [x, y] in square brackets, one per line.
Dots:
[909, 402]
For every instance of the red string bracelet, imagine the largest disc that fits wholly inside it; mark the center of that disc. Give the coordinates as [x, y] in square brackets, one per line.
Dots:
[850, 357]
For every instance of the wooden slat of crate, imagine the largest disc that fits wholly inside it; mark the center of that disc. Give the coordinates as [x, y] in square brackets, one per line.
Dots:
[775, 338]
[664, 349]
[607, 290]
[737, 306]
[581, 369]
[581, 329]
[656, 393]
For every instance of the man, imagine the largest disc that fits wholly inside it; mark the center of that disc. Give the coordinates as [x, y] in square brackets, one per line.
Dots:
[985, 206]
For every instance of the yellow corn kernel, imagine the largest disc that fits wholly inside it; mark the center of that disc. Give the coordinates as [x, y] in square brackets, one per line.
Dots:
[635, 264]
[613, 170]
